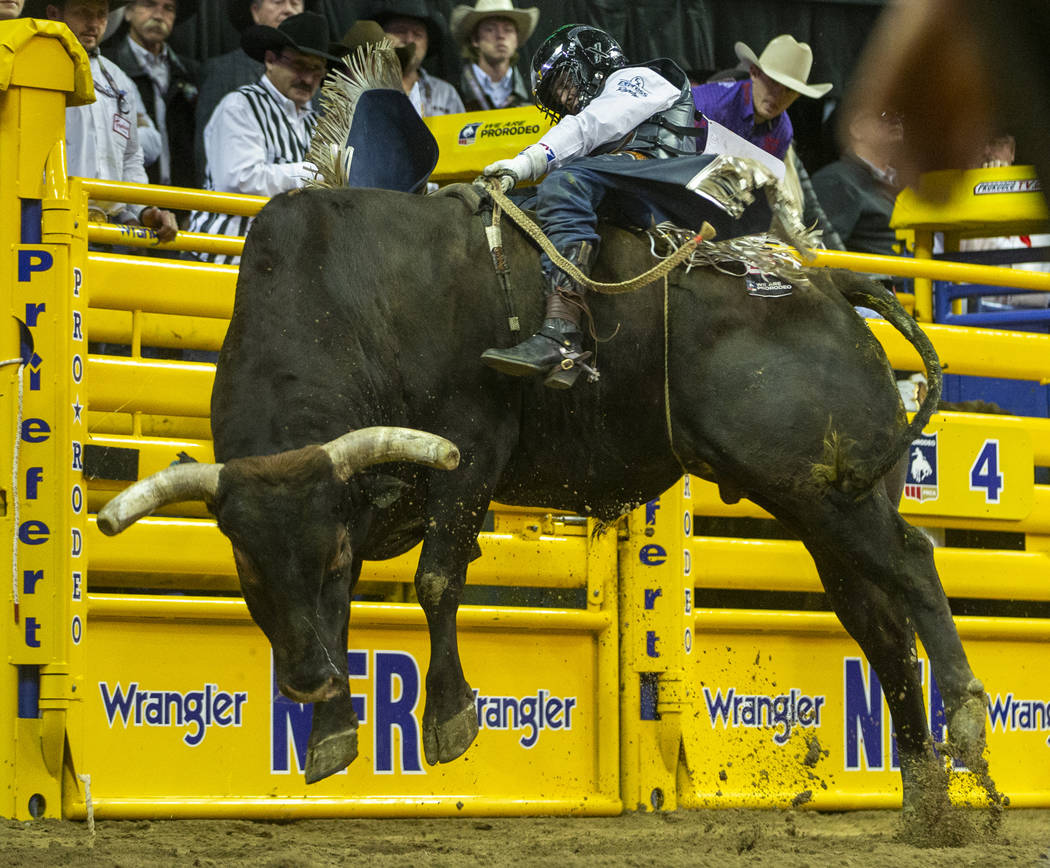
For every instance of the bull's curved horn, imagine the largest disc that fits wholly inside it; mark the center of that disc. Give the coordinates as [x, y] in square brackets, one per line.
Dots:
[368, 446]
[177, 482]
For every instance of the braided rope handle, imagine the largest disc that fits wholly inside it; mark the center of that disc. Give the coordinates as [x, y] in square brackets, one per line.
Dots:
[529, 227]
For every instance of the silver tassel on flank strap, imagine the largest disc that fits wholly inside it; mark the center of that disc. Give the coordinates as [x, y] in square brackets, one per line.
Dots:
[763, 251]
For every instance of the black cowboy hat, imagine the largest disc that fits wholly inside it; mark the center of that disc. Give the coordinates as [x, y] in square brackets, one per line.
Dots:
[383, 12]
[38, 8]
[306, 32]
[240, 12]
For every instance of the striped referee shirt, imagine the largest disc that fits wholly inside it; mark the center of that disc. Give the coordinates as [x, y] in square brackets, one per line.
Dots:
[256, 143]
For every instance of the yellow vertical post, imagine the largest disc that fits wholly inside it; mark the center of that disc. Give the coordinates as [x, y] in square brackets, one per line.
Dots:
[602, 578]
[656, 614]
[42, 415]
[923, 285]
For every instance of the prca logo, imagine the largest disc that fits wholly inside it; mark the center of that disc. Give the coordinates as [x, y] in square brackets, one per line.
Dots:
[469, 134]
[921, 482]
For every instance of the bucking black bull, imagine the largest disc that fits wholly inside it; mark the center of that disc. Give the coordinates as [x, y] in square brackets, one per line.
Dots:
[364, 308]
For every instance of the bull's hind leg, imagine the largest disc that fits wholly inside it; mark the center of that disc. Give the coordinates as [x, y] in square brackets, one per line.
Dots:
[855, 543]
[450, 719]
[887, 640]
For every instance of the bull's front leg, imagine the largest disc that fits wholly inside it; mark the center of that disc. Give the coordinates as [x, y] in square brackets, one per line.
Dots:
[333, 731]
[450, 720]
[333, 738]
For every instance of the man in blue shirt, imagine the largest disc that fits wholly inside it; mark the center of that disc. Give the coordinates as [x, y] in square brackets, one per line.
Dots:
[756, 107]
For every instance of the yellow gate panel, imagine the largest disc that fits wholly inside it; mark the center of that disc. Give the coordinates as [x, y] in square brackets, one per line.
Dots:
[788, 712]
[181, 715]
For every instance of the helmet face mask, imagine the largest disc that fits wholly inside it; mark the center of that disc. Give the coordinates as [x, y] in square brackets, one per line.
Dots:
[571, 66]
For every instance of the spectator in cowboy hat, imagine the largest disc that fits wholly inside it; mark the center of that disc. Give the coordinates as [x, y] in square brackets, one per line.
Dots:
[756, 107]
[369, 34]
[166, 81]
[489, 35]
[413, 22]
[102, 139]
[258, 136]
[227, 72]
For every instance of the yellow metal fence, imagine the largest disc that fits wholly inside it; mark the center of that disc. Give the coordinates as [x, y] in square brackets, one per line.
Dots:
[575, 715]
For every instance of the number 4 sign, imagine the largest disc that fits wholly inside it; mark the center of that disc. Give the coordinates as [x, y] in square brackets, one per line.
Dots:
[984, 474]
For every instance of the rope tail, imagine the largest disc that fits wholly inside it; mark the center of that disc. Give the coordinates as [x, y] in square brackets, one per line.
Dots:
[655, 273]
[863, 293]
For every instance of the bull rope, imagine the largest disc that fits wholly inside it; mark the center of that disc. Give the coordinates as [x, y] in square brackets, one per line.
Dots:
[667, 373]
[529, 227]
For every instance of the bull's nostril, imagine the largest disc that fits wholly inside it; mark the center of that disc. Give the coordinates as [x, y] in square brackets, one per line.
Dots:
[325, 690]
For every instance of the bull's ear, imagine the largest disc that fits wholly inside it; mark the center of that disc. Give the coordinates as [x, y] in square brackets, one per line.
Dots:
[384, 491]
[170, 485]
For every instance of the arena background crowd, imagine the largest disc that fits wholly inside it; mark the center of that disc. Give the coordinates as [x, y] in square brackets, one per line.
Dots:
[699, 35]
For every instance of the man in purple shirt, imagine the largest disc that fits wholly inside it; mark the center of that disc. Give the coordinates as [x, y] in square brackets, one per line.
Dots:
[756, 107]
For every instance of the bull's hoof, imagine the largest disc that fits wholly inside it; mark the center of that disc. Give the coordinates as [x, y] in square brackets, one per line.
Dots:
[966, 743]
[330, 754]
[925, 801]
[966, 728]
[444, 742]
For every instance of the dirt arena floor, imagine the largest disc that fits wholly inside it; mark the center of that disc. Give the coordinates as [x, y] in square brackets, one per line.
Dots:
[695, 838]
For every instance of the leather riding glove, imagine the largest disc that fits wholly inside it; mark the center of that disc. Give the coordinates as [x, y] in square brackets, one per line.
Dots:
[529, 165]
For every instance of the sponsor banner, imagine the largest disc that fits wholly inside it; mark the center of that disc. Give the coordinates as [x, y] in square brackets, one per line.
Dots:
[208, 720]
[800, 717]
[469, 142]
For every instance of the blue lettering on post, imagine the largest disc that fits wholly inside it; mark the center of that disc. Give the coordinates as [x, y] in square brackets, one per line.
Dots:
[31, 262]
[396, 711]
[33, 311]
[652, 555]
[33, 532]
[651, 595]
[34, 476]
[35, 430]
[29, 580]
[650, 511]
[32, 626]
[650, 643]
[863, 720]
[34, 372]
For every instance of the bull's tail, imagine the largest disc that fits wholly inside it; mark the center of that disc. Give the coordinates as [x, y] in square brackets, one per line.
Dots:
[867, 293]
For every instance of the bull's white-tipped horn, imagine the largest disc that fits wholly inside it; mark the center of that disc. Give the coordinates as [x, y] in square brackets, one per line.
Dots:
[170, 485]
[368, 446]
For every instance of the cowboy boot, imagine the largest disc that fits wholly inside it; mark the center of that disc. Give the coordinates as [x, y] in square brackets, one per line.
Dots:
[556, 349]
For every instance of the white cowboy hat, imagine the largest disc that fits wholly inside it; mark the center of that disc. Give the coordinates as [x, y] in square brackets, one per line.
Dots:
[786, 60]
[465, 18]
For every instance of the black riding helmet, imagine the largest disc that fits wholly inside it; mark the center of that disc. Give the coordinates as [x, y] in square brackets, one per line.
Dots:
[568, 70]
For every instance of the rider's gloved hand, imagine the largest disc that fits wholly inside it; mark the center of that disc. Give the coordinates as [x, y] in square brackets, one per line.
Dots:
[529, 165]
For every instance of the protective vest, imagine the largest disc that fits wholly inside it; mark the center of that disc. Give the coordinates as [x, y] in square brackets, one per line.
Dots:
[662, 135]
